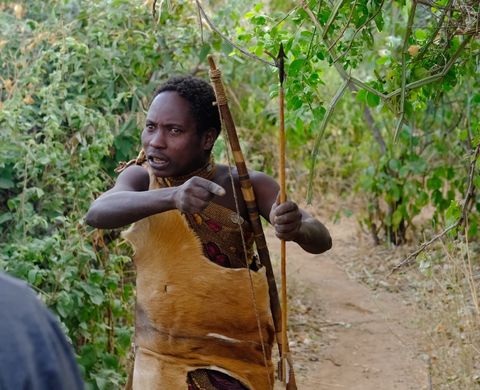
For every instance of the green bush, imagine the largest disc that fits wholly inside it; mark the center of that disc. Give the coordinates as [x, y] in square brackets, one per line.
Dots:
[74, 76]
[75, 81]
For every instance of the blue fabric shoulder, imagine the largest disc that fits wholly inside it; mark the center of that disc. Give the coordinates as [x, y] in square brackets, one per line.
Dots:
[34, 353]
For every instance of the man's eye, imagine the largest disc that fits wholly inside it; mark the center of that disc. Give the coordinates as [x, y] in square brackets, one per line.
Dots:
[175, 130]
[150, 127]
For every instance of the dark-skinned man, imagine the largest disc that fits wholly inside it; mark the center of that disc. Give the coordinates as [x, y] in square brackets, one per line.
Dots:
[195, 325]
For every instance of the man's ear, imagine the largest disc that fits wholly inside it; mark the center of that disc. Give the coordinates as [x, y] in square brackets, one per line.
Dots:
[210, 138]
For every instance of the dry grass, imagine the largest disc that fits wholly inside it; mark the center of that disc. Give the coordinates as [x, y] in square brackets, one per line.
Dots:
[450, 316]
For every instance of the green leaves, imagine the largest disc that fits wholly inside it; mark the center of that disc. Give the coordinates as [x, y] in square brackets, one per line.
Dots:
[94, 292]
[453, 213]
[434, 183]
[296, 66]
[76, 81]
[6, 183]
[367, 97]
[421, 35]
[372, 100]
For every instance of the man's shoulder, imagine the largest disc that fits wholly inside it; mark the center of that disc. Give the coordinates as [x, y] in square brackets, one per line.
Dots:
[261, 178]
[257, 177]
[264, 186]
[135, 170]
[135, 177]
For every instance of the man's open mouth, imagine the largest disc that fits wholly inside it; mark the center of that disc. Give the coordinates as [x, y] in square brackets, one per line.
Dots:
[157, 162]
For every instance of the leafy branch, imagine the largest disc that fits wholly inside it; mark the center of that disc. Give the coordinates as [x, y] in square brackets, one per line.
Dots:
[316, 147]
[342, 32]
[433, 36]
[413, 85]
[332, 17]
[366, 23]
[408, 31]
[460, 221]
[352, 82]
[432, 78]
[226, 39]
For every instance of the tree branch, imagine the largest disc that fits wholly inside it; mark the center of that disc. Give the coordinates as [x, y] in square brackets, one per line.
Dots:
[408, 31]
[434, 34]
[224, 37]
[470, 193]
[332, 16]
[375, 130]
[344, 27]
[435, 77]
[312, 17]
[331, 53]
[360, 29]
[323, 126]
[362, 85]
[352, 82]
[200, 24]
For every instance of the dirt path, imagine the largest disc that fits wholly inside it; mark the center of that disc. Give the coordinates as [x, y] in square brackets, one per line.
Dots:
[343, 334]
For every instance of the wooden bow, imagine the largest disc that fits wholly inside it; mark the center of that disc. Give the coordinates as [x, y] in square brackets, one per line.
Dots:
[254, 217]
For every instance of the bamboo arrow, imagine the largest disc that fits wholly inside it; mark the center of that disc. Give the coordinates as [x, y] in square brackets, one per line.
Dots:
[281, 151]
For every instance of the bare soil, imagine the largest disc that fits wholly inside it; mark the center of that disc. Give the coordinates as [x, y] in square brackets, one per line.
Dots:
[345, 333]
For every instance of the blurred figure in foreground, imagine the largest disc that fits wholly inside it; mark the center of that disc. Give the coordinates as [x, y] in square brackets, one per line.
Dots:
[34, 353]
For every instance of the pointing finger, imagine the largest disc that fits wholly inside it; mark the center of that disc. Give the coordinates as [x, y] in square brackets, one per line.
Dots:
[215, 189]
[208, 185]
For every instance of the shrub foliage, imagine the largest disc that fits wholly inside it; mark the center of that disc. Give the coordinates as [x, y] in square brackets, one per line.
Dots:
[383, 95]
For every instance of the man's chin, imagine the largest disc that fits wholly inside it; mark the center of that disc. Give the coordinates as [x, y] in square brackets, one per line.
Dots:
[162, 173]
[160, 170]
[168, 170]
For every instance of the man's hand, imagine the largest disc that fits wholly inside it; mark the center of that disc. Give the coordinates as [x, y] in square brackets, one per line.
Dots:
[195, 194]
[286, 219]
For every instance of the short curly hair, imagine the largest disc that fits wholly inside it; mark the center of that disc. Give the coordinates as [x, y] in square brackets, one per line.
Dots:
[201, 97]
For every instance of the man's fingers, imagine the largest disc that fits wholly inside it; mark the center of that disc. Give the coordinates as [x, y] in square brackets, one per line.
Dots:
[286, 208]
[286, 228]
[289, 205]
[288, 218]
[216, 189]
[284, 212]
[210, 186]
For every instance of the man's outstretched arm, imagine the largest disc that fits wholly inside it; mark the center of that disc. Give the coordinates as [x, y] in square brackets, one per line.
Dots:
[130, 199]
[290, 222]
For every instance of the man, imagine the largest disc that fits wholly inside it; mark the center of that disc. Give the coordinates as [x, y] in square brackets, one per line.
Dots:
[34, 353]
[194, 322]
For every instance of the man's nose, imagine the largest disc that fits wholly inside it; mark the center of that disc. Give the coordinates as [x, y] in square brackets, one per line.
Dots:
[158, 140]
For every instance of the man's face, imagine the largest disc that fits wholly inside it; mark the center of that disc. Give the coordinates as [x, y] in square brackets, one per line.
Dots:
[170, 139]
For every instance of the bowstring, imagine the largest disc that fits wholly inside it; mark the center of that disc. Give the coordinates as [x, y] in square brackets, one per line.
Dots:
[244, 245]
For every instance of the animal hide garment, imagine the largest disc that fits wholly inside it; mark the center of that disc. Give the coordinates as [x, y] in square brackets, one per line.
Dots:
[192, 313]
